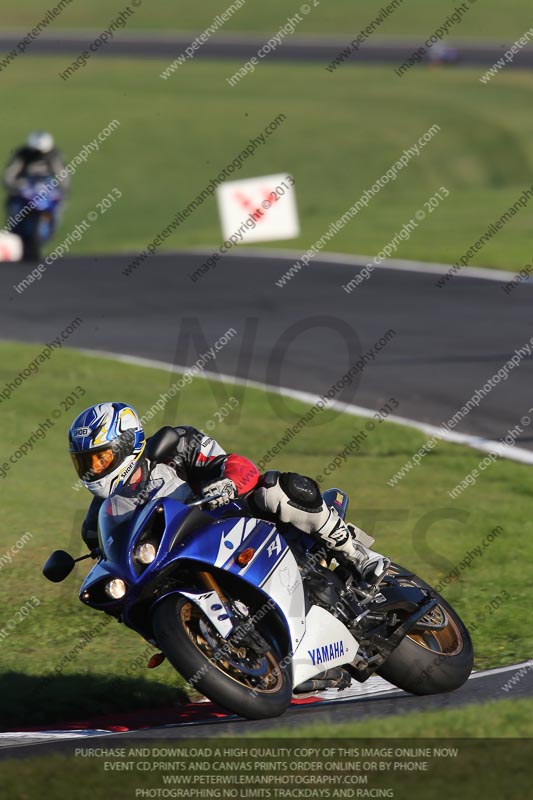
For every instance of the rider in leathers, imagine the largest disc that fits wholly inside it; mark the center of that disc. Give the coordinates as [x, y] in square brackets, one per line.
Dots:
[107, 443]
[38, 157]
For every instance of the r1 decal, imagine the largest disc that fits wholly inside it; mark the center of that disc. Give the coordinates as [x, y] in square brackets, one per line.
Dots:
[274, 547]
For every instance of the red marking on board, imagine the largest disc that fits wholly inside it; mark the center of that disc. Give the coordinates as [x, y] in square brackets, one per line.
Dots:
[246, 203]
[256, 212]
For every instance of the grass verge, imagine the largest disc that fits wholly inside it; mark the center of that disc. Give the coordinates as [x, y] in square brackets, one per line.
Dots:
[414, 19]
[341, 133]
[504, 719]
[415, 523]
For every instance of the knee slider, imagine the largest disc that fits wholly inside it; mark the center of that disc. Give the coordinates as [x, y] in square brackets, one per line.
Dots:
[303, 492]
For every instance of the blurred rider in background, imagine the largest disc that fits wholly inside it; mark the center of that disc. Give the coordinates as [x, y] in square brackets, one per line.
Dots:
[39, 158]
[36, 182]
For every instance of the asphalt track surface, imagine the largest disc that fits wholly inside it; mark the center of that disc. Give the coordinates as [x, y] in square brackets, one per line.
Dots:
[242, 48]
[447, 343]
[478, 689]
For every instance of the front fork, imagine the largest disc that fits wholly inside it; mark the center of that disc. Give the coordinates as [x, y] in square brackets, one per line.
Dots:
[242, 633]
[211, 584]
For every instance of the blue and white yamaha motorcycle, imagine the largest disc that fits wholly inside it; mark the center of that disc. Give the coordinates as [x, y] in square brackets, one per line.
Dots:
[246, 612]
[38, 203]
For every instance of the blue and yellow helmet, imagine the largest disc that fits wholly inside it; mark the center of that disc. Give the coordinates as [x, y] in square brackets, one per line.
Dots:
[106, 442]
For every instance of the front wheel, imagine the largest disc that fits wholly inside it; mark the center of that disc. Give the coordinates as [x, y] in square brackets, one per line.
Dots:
[31, 245]
[254, 686]
[436, 655]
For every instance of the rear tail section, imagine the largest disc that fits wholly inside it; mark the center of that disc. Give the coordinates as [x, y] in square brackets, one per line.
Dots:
[337, 499]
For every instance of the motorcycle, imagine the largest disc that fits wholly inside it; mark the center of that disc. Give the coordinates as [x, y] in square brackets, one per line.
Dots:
[246, 613]
[38, 203]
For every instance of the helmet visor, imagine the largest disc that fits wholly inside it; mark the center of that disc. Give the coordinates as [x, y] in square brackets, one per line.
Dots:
[95, 464]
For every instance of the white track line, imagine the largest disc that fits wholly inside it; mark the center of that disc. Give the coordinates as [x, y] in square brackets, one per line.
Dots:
[32, 738]
[375, 687]
[359, 261]
[475, 442]
[356, 261]
[500, 670]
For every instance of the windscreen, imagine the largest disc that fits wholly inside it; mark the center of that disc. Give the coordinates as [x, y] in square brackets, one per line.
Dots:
[117, 514]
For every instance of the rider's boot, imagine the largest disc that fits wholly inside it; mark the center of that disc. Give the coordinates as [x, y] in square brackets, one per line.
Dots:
[354, 544]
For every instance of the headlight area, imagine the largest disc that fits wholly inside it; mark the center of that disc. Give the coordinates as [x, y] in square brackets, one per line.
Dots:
[144, 550]
[145, 553]
[104, 591]
[115, 589]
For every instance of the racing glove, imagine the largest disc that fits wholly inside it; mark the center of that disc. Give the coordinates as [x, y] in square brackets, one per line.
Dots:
[223, 486]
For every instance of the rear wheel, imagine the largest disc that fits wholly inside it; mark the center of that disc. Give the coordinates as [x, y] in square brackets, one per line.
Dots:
[236, 677]
[437, 655]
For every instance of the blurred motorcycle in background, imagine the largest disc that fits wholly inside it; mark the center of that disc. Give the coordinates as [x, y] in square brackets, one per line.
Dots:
[35, 211]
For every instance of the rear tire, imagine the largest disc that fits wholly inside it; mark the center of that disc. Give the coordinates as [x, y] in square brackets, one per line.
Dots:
[256, 687]
[431, 661]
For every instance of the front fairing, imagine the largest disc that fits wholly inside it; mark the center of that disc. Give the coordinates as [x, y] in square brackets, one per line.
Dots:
[41, 210]
[41, 194]
[123, 522]
[181, 549]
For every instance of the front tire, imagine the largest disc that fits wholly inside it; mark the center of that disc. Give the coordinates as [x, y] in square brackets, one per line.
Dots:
[31, 246]
[256, 687]
[431, 661]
